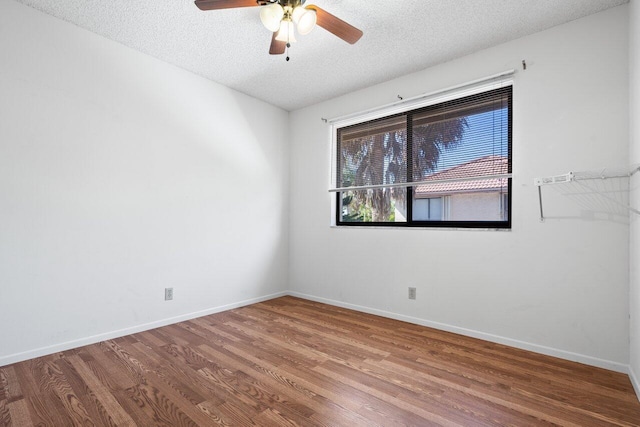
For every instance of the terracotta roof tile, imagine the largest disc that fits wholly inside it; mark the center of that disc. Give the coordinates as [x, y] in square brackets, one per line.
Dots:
[488, 165]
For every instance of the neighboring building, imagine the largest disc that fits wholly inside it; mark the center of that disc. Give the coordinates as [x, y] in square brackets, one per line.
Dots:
[474, 200]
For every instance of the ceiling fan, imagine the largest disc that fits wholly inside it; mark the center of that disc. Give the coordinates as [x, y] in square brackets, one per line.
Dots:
[284, 17]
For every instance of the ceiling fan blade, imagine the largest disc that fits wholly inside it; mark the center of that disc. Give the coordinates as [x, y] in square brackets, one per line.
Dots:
[277, 47]
[335, 25]
[224, 4]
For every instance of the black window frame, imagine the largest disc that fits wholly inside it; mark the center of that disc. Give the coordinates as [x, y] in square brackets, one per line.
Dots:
[502, 224]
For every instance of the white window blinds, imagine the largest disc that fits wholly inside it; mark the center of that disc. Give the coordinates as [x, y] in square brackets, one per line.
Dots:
[461, 140]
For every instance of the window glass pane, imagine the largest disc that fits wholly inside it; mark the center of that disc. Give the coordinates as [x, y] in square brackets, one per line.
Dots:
[477, 200]
[453, 143]
[373, 153]
[374, 205]
[459, 145]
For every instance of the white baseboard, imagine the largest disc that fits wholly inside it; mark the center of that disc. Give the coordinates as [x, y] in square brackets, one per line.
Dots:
[634, 381]
[43, 351]
[588, 360]
[549, 351]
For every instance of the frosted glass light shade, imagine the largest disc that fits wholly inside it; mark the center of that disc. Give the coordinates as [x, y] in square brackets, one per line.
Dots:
[286, 33]
[305, 19]
[271, 16]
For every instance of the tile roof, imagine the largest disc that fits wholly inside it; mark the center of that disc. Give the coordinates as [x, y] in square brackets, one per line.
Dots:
[488, 165]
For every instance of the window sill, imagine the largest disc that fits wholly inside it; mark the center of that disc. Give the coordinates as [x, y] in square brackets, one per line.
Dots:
[375, 227]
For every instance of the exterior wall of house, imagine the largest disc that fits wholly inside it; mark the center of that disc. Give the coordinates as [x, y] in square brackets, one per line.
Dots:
[481, 206]
[563, 284]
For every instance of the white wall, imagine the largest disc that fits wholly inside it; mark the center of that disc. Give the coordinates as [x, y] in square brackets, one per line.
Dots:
[559, 287]
[634, 115]
[121, 175]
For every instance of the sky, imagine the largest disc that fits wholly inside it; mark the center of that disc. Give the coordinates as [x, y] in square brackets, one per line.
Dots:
[487, 134]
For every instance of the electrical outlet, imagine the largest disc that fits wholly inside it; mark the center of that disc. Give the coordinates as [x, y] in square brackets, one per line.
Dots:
[168, 294]
[412, 293]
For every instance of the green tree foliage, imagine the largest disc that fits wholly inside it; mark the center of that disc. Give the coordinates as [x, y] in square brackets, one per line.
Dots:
[381, 158]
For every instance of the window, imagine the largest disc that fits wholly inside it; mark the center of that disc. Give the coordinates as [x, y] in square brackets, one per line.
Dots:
[428, 209]
[442, 165]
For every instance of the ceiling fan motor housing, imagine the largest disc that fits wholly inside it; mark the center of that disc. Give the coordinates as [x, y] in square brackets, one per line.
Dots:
[283, 3]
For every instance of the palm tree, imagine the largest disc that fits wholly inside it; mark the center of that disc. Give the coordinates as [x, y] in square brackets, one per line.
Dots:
[381, 158]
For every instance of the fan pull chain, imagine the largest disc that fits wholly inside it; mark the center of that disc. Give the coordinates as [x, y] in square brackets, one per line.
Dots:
[288, 46]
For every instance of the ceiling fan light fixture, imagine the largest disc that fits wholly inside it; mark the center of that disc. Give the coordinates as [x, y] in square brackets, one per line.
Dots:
[284, 17]
[286, 33]
[271, 16]
[305, 19]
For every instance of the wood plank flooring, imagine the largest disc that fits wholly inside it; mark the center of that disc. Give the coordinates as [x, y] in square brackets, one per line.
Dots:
[289, 362]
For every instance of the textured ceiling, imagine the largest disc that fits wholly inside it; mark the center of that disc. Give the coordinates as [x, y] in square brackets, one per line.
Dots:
[231, 46]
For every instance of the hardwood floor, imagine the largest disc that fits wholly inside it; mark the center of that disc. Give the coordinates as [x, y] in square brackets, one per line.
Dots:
[289, 361]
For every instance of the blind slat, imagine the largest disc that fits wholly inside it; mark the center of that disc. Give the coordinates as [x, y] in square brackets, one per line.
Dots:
[460, 140]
